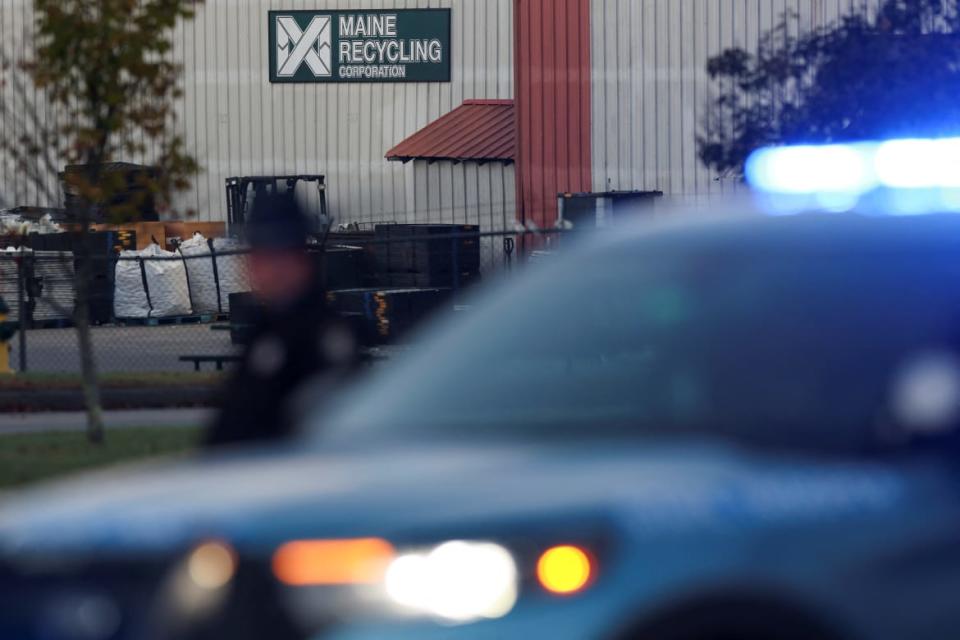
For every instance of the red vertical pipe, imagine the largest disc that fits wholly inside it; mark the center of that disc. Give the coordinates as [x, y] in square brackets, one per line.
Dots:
[564, 50]
[535, 78]
[580, 129]
[552, 87]
[586, 97]
[550, 126]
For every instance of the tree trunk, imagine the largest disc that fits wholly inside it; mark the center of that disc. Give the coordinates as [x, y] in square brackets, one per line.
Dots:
[88, 364]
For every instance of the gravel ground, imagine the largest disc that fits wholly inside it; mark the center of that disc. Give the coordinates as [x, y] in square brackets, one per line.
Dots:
[124, 349]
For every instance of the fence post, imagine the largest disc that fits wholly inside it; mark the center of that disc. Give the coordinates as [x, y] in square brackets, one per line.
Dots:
[22, 313]
[456, 262]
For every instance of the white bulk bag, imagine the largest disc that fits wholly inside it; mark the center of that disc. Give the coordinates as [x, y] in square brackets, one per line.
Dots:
[129, 296]
[166, 293]
[213, 277]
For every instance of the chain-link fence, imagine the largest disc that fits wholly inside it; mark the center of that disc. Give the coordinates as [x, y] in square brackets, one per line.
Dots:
[147, 308]
[159, 311]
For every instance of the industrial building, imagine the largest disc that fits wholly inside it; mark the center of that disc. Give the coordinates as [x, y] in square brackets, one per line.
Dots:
[525, 99]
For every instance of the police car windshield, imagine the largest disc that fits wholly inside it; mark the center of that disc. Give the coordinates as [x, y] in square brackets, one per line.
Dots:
[789, 337]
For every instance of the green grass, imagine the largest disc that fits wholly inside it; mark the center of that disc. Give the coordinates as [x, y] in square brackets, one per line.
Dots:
[26, 458]
[26, 381]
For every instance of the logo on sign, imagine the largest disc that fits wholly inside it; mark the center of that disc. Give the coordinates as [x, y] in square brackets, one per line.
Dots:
[360, 45]
[297, 47]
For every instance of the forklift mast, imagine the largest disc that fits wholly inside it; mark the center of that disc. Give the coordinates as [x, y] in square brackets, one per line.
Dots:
[242, 192]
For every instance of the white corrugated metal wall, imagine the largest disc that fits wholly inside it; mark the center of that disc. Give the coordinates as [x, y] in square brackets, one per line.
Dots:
[650, 85]
[246, 126]
[482, 194]
[237, 123]
[650, 91]
[23, 109]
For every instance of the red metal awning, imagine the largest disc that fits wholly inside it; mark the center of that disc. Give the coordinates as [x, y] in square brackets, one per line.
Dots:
[477, 130]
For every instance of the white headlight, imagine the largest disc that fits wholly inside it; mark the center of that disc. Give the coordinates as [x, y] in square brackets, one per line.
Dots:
[458, 581]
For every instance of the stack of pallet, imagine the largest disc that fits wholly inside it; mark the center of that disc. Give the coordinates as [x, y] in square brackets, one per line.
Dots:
[135, 198]
[428, 255]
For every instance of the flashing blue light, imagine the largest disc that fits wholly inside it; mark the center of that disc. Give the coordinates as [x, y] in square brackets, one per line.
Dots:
[839, 175]
[918, 164]
[810, 169]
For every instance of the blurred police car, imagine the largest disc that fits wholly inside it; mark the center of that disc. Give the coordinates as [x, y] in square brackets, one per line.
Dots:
[736, 428]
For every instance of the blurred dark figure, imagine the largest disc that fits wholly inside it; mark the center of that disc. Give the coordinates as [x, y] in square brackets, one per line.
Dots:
[296, 338]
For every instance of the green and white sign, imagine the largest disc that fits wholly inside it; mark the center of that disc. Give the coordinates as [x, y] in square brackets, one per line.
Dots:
[401, 45]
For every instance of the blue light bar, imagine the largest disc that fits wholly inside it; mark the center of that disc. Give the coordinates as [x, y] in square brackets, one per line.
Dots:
[810, 169]
[918, 164]
[840, 172]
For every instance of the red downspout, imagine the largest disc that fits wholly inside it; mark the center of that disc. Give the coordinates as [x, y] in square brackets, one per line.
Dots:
[552, 79]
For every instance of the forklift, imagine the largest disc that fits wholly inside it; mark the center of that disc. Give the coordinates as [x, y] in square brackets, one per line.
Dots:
[242, 192]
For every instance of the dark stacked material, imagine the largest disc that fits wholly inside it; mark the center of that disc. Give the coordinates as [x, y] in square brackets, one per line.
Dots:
[104, 247]
[52, 291]
[386, 315]
[9, 283]
[386, 280]
[427, 255]
[48, 279]
[245, 314]
[363, 259]
[343, 267]
[132, 194]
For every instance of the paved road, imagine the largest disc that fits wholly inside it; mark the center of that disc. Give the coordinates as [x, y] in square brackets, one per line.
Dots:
[41, 422]
[123, 349]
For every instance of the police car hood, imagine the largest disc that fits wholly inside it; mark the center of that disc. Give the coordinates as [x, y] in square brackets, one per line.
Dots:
[258, 500]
